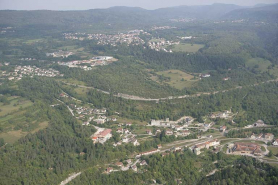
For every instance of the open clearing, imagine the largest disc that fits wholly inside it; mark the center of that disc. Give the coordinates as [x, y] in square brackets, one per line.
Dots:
[12, 136]
[258, 63]
[14, 105]
[178, 79]
[185, 47]
[274, 149]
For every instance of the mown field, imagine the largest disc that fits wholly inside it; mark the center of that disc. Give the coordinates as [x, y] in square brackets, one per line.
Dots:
[258, 63]
[185, 47]
[178, 79]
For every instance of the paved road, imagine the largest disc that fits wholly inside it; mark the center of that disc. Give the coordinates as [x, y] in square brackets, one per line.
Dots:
[137, 98]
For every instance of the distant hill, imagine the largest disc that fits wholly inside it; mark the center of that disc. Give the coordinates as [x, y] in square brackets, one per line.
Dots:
[258, 13]
[214, 11]
[122, 18]
[128, 15]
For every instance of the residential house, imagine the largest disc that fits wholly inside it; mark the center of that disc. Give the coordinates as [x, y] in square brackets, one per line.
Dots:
[120, 130]
[269, 136]
[169, 132]
[149, 132]
[134, 167]
[142, 163]
[275, 143]
[253, 136]
[223, 128]
[119, 164]
[109, 170]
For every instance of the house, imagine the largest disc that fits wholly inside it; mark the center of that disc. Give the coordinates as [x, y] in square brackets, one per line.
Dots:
[128, 124]
[169, 132]
[253, 136]
[159, 146]
[134, 168]
[149, 132]
[260, 136]
[197, 151]
[109, 170]
[269, 136]
[184, 133]
[85, 123]
[134, 142]
[142, 163]
[176, 149]
[119, 164]
[178, 127]
[275, 143]
[164, 154]
[129, 161]
[120, 130]
[157, 132]
[205, 75]
[223, 128]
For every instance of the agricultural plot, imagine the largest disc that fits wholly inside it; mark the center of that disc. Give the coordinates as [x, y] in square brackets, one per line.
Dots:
[178, 79]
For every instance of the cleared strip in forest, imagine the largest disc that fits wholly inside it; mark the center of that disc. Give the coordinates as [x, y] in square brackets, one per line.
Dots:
[137, 98]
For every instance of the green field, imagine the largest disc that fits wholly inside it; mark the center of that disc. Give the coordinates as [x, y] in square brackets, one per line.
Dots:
[185, 47]
[258, 64]
[178, 79]
[14, 105]
[12, 136]
[273, 149]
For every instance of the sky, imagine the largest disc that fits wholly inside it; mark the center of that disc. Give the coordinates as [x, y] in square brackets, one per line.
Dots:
[92, 4]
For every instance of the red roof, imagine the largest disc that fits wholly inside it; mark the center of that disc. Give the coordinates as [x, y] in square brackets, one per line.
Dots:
[105, 132]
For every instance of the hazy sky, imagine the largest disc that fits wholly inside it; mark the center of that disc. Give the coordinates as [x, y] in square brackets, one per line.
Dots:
[91, 4]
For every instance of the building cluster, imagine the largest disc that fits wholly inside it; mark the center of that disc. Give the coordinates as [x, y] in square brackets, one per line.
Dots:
[126, 137]
[197, 148]
[6, 30]
[246, 148]
[130, 38]
[261, 136]
[88, 64]
[185, 121]
[162, 28]
[161, 45]
[186, 38]
[129, 165]
[60, 53]
[223, 115]
[177, 128]
[87, 114]
[27, 59]
[21, 71]
[182, 20]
